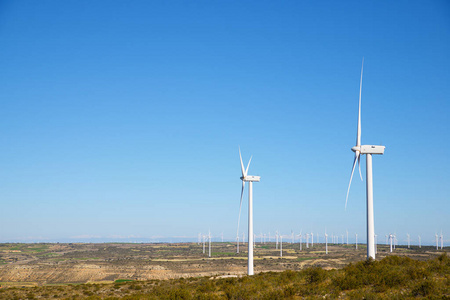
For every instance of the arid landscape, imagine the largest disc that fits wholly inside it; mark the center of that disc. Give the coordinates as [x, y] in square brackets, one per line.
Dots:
[44, 264]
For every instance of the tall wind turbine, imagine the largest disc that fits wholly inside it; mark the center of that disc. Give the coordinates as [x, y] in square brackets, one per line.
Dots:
[250, 179]
[326, 242]
[368, 150]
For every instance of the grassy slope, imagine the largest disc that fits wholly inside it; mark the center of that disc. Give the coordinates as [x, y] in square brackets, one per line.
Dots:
[390, 278]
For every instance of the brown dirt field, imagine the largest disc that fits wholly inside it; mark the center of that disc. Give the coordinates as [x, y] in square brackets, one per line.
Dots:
[43, 264]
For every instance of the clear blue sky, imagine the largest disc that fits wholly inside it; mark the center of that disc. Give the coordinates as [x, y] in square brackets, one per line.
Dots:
[123, 118]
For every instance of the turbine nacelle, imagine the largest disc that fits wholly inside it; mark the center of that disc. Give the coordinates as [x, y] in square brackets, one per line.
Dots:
[251, 178]
[368, 149]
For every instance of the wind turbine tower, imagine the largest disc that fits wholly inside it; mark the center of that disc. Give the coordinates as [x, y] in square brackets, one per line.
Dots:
[408, 240]
[281, 246]
[276, 235]
[369, 150]
[203, 236]
[326, 243]
[250, 179]
[209, 242]
[300, 240]
[420, 242]
[437, 242]
[390, 240]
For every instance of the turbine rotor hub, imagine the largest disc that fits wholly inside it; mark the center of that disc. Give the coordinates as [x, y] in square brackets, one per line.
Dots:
[356, 149]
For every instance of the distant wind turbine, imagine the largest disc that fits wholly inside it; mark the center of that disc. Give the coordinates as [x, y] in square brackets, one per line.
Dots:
[250, 179]
[407, 235]
[356, 241]
[368, 150]
[281, 246]
[437, 242]
[276, 235]
[420, 242]
[300, 240]
[326, 243]
[203, 236]
[391, 237]
[209, 239]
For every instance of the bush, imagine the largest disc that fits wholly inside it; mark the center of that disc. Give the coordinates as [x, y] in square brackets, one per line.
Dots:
[425, 288]
[315, 275]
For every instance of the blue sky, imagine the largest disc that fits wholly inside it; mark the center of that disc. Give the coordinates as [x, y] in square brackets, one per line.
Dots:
[123, 119]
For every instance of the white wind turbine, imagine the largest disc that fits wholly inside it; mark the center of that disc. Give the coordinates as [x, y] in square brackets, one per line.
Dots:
[209, 242]
[300, 240]
[368, 150]
[420, 242]
[326, 242]
[442, 241]
[281, 246]
[391, 237]
[437, 242]
[356, 241]
[276, 234]
[203, 236]
[250, 179]
[408, 240]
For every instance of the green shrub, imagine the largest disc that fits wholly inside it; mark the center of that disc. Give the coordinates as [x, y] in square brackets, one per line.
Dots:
[424, 288]
[315, 275]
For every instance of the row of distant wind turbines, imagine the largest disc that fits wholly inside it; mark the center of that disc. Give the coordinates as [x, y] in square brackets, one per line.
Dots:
[391, 239]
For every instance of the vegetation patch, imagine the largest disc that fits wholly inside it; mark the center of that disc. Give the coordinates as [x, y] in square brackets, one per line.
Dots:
[305, 258]
[122, 280]
[393, 277]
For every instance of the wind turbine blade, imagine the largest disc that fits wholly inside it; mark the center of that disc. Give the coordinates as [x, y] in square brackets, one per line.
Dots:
[358, 133]
[359, 166]
[240, 206]
[349, 184]
[242, 165]
[246, 170]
